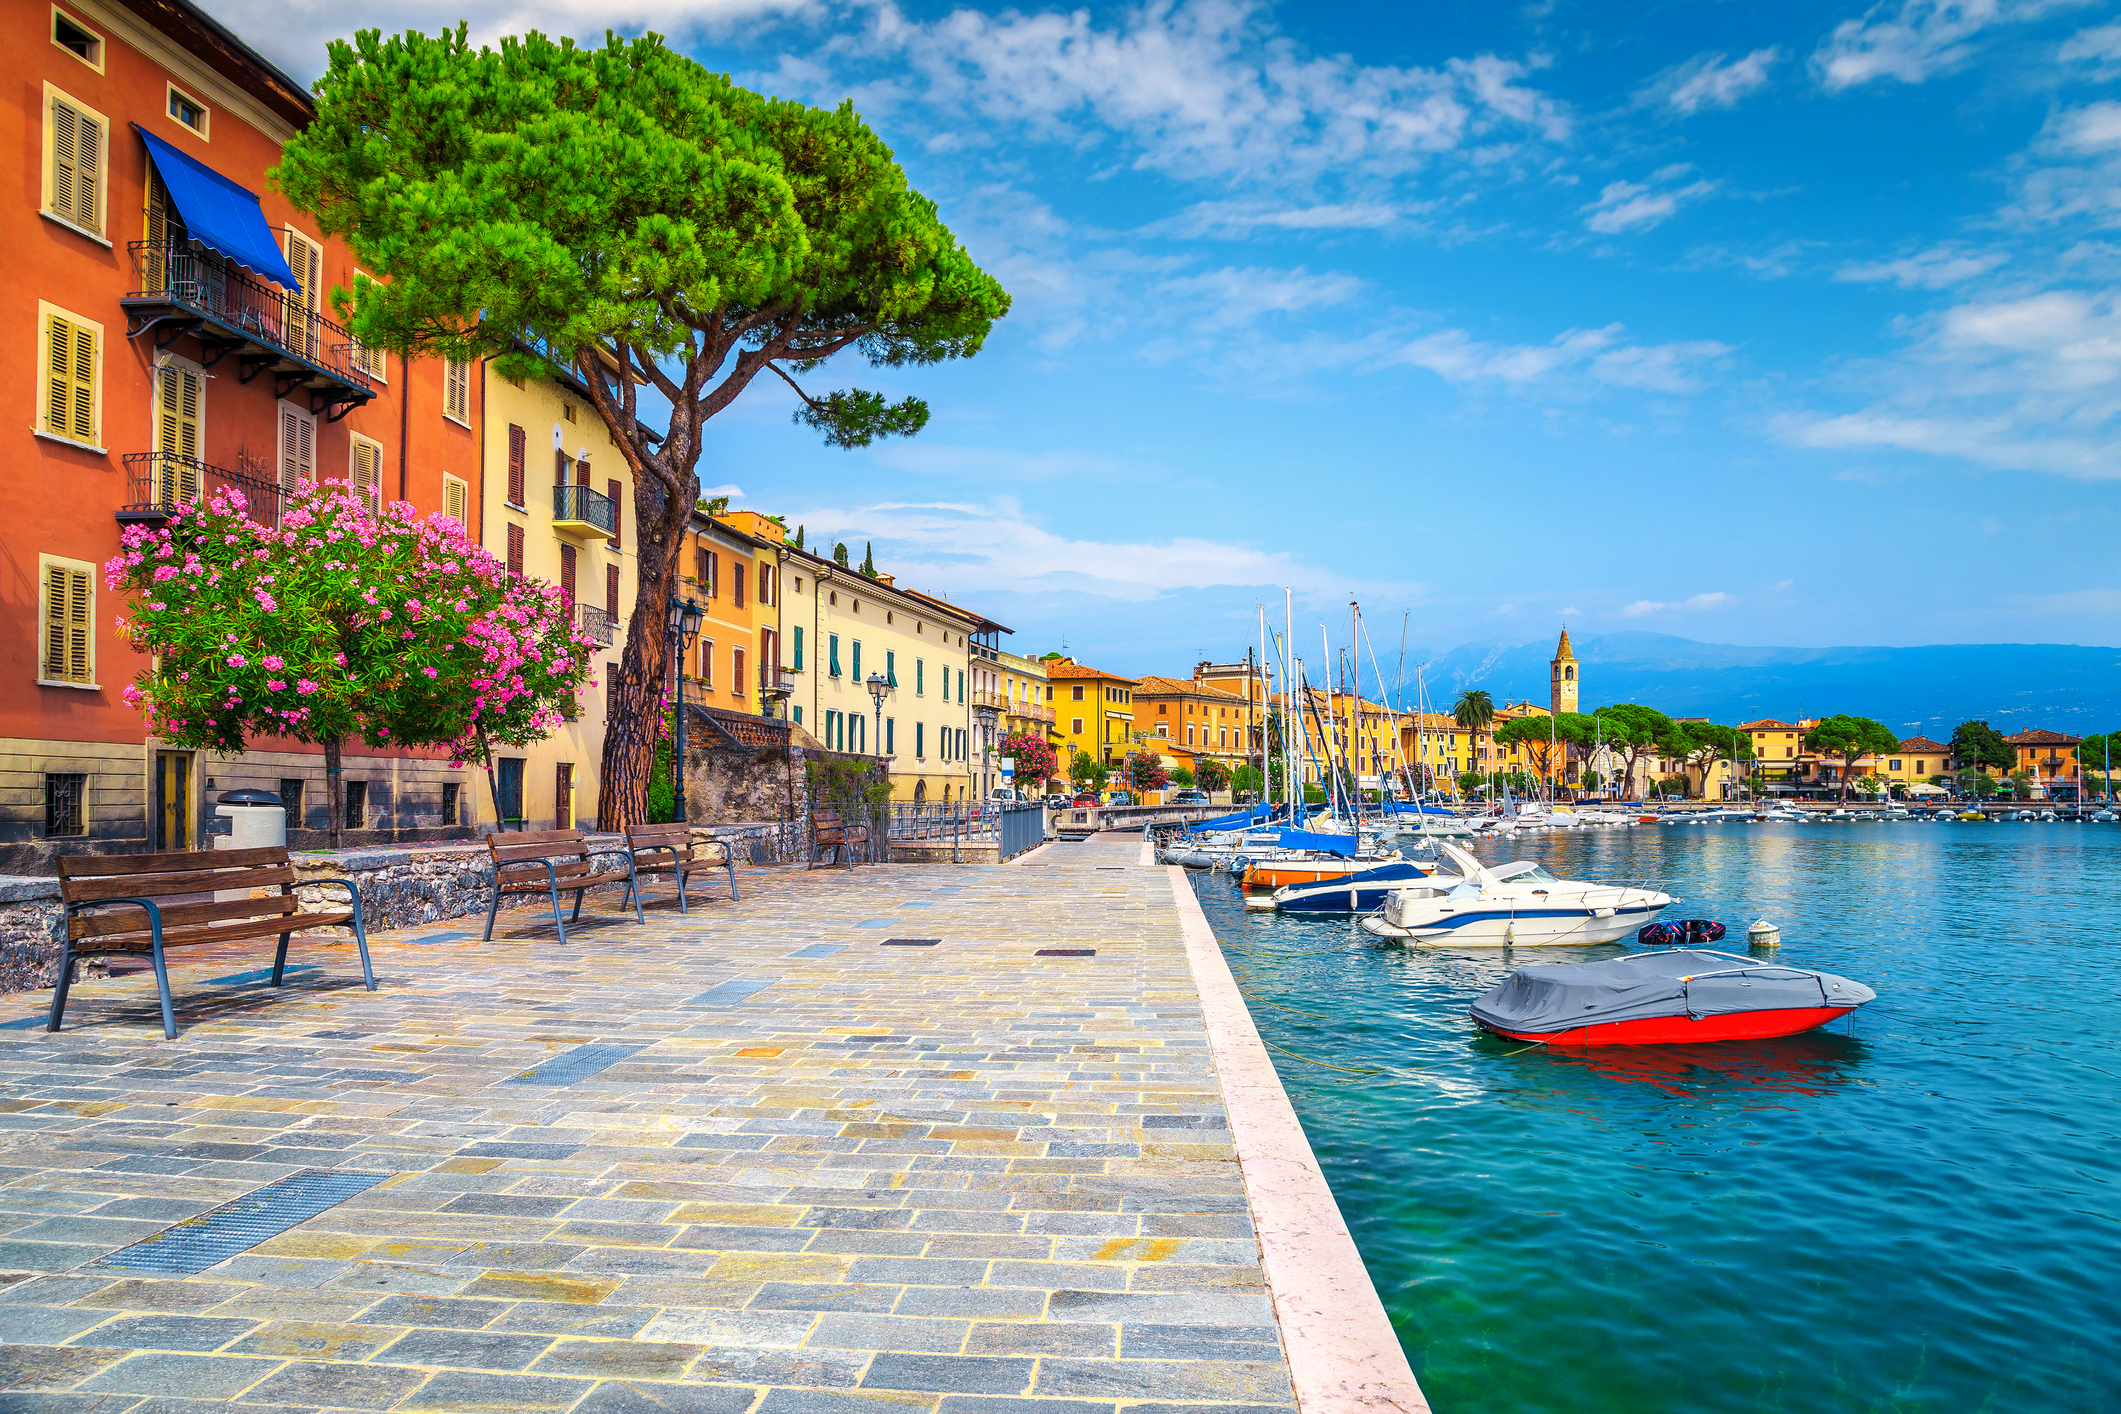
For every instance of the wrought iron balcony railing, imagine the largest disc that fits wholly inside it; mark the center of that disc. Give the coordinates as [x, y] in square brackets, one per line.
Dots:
[184, 290]
[774, 683]
[597, 622]
[160, 482]
[581, 511]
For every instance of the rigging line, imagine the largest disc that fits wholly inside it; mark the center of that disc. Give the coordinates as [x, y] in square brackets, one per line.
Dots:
[1352, 1070]
[1261, 1001]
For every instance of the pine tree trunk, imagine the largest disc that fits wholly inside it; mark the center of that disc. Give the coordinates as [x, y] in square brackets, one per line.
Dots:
[334, 788]
[637, 692]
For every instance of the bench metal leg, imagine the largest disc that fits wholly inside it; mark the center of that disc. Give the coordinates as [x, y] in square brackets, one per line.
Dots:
[557, 921]
[360, 937]
[66, 979]
[492, 912]
[683, 906]
[732, 878]
[169, 1012]
[576, 916]
[633, 888]
[279, 962]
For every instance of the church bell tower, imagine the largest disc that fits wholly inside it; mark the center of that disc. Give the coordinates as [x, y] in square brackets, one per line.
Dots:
[1562, 677]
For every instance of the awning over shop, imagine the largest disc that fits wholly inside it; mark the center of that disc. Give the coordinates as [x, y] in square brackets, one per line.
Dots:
[219, 214]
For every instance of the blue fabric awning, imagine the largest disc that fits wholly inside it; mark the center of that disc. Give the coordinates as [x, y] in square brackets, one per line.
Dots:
[1343, 845]
[219, 214]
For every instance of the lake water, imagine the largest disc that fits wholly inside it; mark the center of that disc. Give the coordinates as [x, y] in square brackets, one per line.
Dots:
[1916, 1210]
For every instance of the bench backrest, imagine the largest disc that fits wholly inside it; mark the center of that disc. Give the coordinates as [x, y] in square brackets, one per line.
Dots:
[673, 835]
[86, 878]
[538, 844]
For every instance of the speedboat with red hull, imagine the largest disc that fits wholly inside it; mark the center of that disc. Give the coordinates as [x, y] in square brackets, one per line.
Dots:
[1678, 996]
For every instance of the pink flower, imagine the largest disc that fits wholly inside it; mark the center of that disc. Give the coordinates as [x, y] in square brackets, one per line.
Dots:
[305, 687]
[238, 660]
[272, 660]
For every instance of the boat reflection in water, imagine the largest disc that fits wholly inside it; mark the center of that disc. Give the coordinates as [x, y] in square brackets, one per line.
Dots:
[1814, 1063]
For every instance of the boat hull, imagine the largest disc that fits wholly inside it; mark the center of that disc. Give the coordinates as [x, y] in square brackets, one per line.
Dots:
[1683, 1030]
[1266, 875]
[1524, 928]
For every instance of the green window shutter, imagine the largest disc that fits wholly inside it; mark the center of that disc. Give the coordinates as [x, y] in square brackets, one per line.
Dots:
[891, 667]
[920, 739]
[891, 736]
[857, 660]
[832, 643]
[798, 649]
[920, 676]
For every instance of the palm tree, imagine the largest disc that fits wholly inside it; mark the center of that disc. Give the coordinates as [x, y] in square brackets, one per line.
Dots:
[1474, 710]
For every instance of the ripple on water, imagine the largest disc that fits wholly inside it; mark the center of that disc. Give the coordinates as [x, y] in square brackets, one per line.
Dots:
[1916, 1210]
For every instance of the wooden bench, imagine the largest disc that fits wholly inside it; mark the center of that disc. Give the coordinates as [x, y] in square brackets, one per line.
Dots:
[669, 849]
[829, 831]
[553, 862]
[149, 903]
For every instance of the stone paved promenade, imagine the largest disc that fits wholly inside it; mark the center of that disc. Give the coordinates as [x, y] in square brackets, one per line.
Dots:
[821, 1174]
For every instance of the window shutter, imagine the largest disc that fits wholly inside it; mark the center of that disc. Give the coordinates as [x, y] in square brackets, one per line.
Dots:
[797, 648]
[516, 441]
[567, 574]
[515, 550]
[77, 166]
[177, 393]
[736, 583]
[67, 600]
[70, 400]
[157, 253]
[298, 447]
[618, 513]
[736, 671]
[891, 667]
[456, 497]
[611, 591]
[714, 574]
[559, 468]
[456, 389]
[367, 469]
[306, 259]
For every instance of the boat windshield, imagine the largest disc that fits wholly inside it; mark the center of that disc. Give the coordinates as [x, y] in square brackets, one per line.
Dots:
[1523, 869]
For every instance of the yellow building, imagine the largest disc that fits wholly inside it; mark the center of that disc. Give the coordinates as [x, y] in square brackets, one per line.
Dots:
[1027, 701]
[844, 628]
[1094, 711]
[1205, 718]
[562, 512]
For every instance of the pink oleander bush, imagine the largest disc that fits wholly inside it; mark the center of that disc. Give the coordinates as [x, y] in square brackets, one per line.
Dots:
[1035, 761]
[340, 622]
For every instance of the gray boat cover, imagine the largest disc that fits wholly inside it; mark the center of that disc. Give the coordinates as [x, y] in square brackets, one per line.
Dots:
[1678, 982]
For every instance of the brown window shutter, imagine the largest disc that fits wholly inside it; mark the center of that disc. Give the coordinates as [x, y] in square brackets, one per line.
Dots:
[736, 671]
[611, 591]
[739, 572]
[516, 442]
[515, 550]
[700, 570]
[618, 514]
[559, 468]
[581, 473]
[567, 574]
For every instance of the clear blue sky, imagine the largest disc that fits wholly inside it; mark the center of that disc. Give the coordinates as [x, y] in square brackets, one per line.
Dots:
[1763, 324]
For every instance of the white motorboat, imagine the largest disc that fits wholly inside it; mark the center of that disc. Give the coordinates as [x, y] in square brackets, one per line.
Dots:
[1514, 905]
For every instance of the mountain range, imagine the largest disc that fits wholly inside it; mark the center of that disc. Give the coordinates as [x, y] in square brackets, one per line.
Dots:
[1924, 690]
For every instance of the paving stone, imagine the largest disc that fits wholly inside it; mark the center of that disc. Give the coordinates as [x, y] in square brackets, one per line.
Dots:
[338, 1386]
[462, 1390]
[470, 1350]
[894, 1181]
[952, 1374]
[189, 1376]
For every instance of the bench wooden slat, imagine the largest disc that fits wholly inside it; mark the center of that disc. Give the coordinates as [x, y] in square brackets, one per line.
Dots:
[541, 884]
[197, 936]
[88, 866]
[196, 881]
[563, 868]
[124, 918]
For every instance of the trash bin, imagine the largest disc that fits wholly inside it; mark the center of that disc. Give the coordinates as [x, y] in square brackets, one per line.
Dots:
[255, 819]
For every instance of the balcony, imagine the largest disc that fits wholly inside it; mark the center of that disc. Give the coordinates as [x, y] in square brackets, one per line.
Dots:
[179, 290]
[598, 623]
[774, 683]
[583, 513]
[1030, 711]
[161, 482]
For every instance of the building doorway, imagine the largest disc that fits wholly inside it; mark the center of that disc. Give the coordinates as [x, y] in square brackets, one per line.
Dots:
[563, 796]
[510, 805]
[172, 823]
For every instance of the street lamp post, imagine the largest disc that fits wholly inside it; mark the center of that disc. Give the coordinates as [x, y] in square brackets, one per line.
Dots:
[986, 716]
[684, 629]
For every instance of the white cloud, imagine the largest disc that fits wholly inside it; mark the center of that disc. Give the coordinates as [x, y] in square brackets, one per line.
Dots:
[1916, 39]
[732, 491]
[1926, 270]
[1238, 219]
[1707, 81]
[1635, 206]
[961, 550]
[1203, 88]
[1234, 297]
[1715, 599]
[2099, 47]
[1603, 354]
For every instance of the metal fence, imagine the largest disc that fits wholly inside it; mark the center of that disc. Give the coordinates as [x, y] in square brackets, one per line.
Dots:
[866, 832]
[206, 284]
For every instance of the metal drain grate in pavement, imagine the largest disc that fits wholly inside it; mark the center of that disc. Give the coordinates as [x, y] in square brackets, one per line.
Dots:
[570, 1066]
[241, 1224]
[911, 942]
[1065, 952]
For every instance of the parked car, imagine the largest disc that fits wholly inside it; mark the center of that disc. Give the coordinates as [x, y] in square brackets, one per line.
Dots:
[1119, 797]
[1190, 797]
[1056, 802]
[1083, 800]
[1006, 795]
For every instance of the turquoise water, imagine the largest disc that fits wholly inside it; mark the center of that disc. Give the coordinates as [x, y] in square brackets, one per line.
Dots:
[1917, 1210]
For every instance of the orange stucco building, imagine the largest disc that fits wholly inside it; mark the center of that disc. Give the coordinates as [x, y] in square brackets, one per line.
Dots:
[172, 333]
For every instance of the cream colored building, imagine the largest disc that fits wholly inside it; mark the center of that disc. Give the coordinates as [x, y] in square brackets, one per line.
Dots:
[557, 505]
[841, 628]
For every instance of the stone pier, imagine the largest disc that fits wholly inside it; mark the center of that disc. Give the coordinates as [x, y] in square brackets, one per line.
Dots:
[901, 1140]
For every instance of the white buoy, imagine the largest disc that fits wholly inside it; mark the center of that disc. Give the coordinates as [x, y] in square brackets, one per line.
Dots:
[1763, 934]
